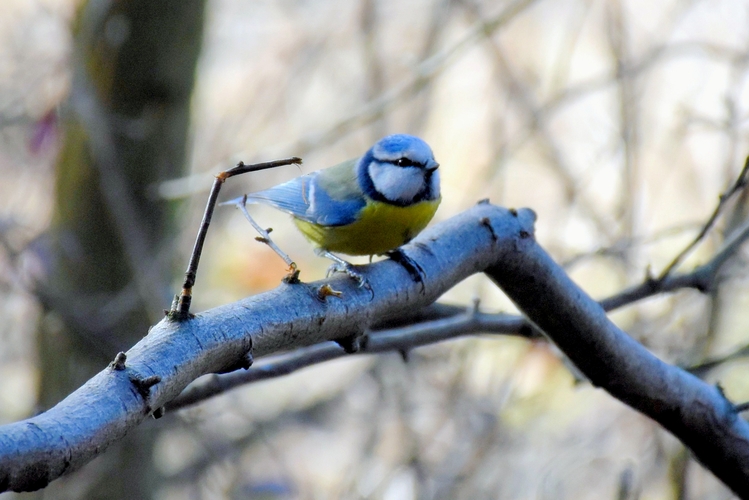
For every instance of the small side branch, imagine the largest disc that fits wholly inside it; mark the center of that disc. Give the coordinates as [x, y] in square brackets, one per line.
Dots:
[180, 309]
[737, 186]
[703, 278]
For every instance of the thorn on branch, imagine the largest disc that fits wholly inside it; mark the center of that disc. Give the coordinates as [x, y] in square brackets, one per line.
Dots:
[721, 390]
[326, 291]
[351, 344]
[741, 407]
[119, 362]
[143, 384]
[247, 360]
[487, 223]
[243, 363]
[292, 278]
[473, 309]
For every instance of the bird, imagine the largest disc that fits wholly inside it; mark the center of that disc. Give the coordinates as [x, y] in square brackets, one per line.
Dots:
[370, 205]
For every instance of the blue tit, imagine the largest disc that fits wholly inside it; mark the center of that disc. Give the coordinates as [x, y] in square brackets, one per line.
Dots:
[366, 206]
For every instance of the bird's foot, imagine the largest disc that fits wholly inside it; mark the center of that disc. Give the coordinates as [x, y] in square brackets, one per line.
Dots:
[349, 269]
[341, 266]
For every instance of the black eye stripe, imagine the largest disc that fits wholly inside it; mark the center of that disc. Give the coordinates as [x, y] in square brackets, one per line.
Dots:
[405, 162]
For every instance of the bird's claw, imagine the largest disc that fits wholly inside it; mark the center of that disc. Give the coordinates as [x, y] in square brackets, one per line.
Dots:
[349, 270]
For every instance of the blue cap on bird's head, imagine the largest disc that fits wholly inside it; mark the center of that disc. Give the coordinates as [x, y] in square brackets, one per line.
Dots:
[397, 146]
[399, 169]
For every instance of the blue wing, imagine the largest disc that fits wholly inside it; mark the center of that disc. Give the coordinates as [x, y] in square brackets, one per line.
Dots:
[329, 197]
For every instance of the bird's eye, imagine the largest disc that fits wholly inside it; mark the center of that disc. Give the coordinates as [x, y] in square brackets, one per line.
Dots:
[405, 162]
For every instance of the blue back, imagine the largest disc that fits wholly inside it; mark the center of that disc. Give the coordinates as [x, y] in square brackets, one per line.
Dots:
[330, 197]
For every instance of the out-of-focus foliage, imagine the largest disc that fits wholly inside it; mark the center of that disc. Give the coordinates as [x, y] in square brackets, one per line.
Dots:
[619, 122]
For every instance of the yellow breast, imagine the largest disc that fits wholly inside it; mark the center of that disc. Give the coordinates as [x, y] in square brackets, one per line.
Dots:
[380, 227]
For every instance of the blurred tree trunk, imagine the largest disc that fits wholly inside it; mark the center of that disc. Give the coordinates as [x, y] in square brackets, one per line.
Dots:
[107, 252]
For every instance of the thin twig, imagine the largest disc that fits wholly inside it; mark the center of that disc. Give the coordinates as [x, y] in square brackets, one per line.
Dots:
[703, 368]
[293, 276]
[740, 183]
[181, 305]
[702, 278]
[623, 245]
[741, 407]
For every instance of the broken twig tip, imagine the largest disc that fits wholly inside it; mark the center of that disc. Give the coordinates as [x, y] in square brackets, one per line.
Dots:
[351, 344]
[119, 362]
[326, 291]
[292, 276]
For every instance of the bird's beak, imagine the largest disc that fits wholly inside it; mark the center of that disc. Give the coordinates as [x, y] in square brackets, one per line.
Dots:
[432, 166]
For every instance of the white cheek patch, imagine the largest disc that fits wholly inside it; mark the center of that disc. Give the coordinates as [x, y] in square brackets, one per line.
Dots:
[396, 183]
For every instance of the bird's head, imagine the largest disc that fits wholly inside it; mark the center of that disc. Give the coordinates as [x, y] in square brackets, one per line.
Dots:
[401, 170]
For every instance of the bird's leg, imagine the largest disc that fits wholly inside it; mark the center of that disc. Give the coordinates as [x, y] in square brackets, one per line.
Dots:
[341, 266]
[415, 270]
[293, 276]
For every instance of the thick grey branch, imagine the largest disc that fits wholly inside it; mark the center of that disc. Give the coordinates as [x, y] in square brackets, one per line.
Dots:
[401, 339]
[438, 322]
[695, 412]
[484, 238]
[38, 450]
